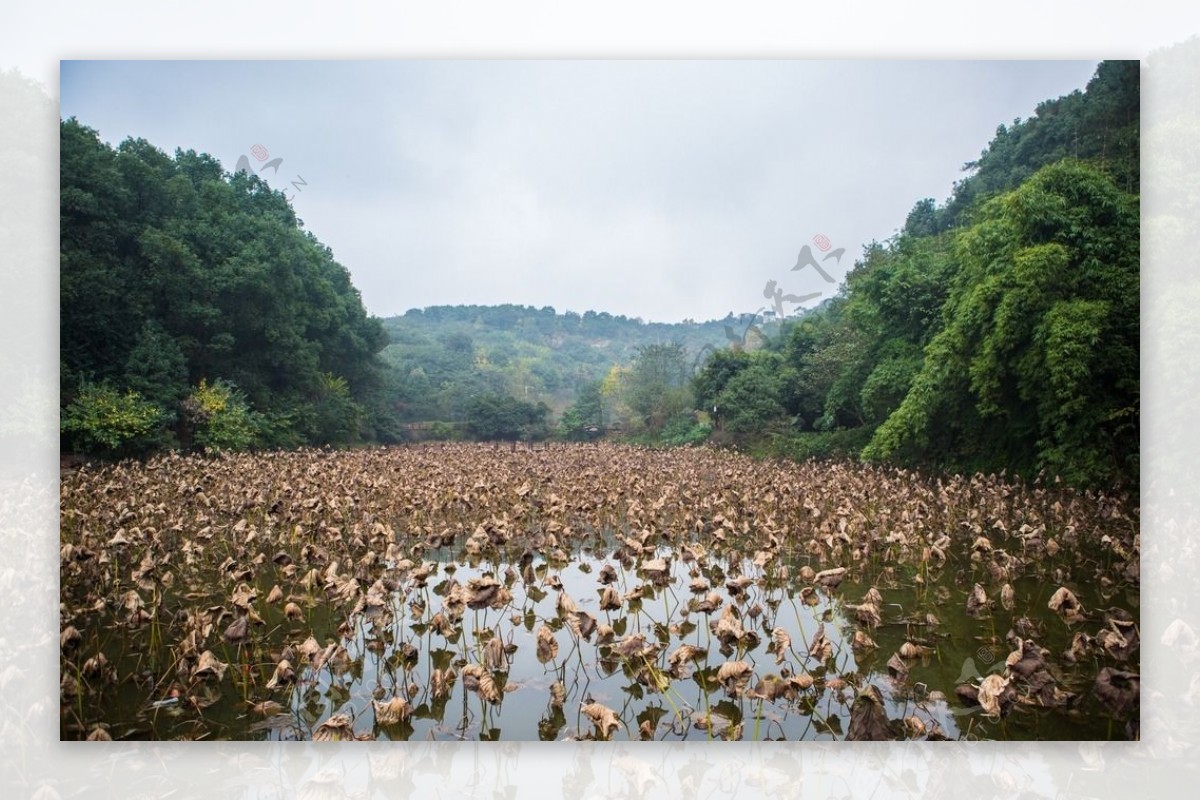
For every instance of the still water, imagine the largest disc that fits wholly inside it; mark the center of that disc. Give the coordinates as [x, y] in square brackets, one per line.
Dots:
[730, 609]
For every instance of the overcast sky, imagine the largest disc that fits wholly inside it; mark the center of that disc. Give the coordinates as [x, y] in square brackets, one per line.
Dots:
[656, 189]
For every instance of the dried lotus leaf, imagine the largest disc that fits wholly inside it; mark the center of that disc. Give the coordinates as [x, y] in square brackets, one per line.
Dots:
[1066, 605]
[992, 692]
[284, 674]
[209, 666]
[392, 711]
[604, 719]
[547, 646]
[338, 728]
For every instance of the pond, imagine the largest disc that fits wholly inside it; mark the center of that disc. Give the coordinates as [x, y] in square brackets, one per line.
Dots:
[596, 591]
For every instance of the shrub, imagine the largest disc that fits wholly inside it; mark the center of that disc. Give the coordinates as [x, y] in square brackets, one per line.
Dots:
[221, 417]
[841, 443]
[101, 421]
[443, 431]
[684, 429]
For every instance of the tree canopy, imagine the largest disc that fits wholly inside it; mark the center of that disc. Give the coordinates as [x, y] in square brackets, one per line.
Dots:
[177, 275]
[1038, 361]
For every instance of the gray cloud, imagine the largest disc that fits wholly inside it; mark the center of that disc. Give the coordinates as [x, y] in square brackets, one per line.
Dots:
[658, 189]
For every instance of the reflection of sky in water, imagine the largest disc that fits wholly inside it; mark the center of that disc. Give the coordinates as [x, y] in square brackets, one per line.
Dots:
[589, 671]
[399, 656]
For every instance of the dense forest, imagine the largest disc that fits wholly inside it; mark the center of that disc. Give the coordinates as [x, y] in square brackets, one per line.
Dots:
[197, 311]
[998, 330]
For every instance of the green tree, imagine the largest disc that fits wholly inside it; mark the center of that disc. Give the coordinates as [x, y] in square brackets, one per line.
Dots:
[166, 258]
[1037, 367]
[924, 219]
[1100, 124]
[503, 417]
[752, 401]
[804, 350]
[585, 417]
[720, 367]
[337, 418]
[658, 386]
[157, 370]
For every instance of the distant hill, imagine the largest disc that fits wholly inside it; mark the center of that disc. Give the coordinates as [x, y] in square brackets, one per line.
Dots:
[442, 355]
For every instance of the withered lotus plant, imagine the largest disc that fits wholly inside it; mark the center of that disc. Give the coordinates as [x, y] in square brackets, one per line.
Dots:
[284, 674]
[392, 711]
[478, 678]
[1066, 605]
[385, 556]
[868, 717]
[604, 719]
[734, 676]
[337, 728]
[547, 646]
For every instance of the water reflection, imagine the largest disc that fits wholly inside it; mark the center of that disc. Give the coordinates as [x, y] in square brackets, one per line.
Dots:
[696, 616]
[665, 660]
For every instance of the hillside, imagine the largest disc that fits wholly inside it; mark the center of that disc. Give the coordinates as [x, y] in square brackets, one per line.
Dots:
[442, 355]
